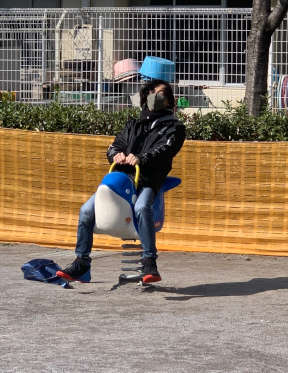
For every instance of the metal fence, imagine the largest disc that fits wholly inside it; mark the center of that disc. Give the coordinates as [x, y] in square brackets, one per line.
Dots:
[78, 56]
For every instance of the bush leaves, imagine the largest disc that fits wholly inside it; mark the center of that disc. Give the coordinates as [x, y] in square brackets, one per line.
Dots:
[233, 124]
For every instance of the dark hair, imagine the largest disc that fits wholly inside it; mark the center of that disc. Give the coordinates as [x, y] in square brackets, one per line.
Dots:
[150, 85]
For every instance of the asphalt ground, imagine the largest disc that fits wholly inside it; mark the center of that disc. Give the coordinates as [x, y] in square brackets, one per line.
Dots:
[210, 313]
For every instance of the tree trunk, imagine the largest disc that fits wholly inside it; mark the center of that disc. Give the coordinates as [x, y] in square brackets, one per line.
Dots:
[264, 23]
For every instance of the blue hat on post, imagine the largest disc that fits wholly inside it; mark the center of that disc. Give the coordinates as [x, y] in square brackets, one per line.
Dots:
[158, 68]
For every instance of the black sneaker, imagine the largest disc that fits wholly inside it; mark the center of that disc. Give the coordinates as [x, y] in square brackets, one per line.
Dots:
[79, 270]
[150, 272]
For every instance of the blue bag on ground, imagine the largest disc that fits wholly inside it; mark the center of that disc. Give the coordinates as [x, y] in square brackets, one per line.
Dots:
[43, 270]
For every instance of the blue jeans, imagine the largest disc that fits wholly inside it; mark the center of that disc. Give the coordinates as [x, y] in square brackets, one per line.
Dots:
[144, 214]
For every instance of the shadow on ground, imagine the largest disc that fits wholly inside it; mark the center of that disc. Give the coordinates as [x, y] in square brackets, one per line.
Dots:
[254, 286]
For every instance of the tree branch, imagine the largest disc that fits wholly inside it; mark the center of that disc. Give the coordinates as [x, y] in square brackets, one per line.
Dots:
[277, 15]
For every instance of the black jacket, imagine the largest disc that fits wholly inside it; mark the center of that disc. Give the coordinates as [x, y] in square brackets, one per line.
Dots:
[154, 141]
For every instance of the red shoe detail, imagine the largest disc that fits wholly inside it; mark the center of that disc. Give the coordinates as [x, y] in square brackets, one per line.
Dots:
[69, 278]
[151, 278]
[64, 275]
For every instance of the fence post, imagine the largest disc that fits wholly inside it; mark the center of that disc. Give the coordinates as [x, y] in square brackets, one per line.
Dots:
[100, 62]
[223, 25]
[44, 47]
[270, 76]
[57, 47]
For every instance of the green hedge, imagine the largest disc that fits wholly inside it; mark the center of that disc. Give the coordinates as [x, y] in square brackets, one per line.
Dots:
[234, 124]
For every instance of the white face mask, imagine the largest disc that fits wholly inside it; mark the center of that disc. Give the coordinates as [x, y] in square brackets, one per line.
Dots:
[156, 102]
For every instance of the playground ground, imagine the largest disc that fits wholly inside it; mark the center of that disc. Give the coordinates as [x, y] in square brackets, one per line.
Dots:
[211, 313]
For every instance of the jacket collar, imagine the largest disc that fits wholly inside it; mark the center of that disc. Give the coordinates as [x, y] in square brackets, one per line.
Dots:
[163, 119]
[151, 116]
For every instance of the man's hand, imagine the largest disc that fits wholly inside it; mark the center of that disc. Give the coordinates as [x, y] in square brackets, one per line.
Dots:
[119, 158]
[132, 159]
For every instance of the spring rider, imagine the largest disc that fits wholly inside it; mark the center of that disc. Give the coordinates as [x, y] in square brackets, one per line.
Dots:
[114, 215]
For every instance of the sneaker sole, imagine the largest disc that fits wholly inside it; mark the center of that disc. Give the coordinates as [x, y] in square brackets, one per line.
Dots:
[147, 279]
[67, 277]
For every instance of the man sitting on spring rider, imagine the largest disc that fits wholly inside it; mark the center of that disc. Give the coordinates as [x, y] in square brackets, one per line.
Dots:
[152, 141]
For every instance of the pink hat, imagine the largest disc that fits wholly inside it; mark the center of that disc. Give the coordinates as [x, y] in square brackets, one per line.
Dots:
[126, 69]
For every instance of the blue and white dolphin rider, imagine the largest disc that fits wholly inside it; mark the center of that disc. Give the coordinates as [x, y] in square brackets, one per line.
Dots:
[152, 141]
